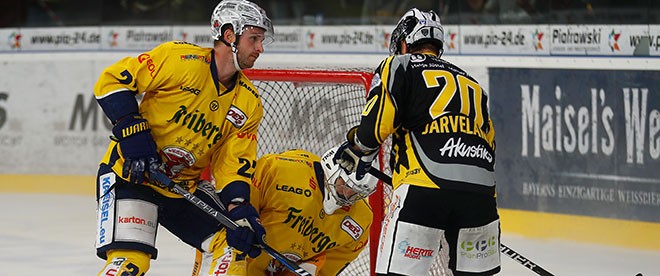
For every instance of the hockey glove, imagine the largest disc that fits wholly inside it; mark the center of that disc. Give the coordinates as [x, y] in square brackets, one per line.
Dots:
[250, 232]
[351, 159]
[137, 146]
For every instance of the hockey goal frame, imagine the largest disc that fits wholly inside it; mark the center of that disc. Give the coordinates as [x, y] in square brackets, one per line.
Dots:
[376, 200]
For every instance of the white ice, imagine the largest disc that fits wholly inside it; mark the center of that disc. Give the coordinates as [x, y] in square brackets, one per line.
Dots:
[54, 235]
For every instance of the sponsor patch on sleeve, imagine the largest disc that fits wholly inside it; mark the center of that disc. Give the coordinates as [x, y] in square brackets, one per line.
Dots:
[352, 228]
[236, 116]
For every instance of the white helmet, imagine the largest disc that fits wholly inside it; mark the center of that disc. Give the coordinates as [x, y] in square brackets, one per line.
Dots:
[333, 173]
[416, 26]
[240, 14]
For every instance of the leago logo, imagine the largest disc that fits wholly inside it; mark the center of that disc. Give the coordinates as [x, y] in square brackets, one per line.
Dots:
[414, 252]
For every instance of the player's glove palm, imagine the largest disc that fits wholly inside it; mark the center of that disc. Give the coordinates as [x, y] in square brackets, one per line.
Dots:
[137, 146]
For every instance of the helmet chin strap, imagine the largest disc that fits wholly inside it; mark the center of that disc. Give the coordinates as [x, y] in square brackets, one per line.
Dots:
[234, 52]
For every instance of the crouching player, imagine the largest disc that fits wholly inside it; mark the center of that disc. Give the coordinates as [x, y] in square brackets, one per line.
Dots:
[313, 212]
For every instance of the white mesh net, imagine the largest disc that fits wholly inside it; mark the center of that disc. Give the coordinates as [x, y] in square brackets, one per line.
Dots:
[313, 110]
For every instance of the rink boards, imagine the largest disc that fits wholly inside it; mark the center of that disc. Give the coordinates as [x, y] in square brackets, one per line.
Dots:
[577, 138]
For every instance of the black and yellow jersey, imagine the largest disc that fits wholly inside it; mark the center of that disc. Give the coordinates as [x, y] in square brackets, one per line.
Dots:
[287, 192]
[194, 119]
[438, 115]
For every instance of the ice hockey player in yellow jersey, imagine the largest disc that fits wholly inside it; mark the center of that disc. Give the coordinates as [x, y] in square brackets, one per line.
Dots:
[313, 212]
[197, 108]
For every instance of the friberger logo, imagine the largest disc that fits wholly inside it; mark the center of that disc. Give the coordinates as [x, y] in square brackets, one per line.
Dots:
[413, 252]
[305, 227]
[352, 228]
[196, 121]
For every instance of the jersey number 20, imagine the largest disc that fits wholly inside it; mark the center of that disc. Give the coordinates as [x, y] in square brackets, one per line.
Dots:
[460, 84]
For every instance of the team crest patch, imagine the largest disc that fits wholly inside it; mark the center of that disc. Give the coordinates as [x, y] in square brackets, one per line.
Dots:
[236, 117]
[352, 228]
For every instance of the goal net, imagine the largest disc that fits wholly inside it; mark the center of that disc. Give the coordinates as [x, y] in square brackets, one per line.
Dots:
[313, 110]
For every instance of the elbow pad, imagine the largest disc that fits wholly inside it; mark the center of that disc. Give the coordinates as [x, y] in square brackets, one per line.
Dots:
[118, 105]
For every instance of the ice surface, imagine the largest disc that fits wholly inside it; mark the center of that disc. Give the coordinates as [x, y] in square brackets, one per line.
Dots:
[54, 234]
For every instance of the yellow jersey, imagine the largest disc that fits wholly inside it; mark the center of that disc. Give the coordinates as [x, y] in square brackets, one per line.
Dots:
[194, 119]
[287, 191]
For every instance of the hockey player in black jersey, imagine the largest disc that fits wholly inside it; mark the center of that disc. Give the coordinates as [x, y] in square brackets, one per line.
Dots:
[443, 204]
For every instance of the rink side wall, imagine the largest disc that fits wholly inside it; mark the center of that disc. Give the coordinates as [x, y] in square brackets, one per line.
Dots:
[578, 136]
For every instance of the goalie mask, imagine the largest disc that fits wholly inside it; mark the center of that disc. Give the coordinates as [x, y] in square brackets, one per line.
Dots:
[416, 27]
[342, 189]
[240, 14]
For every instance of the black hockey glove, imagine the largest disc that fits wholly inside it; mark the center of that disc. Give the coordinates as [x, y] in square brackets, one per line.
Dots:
[351, 159]
[251, 233]
[137, 146]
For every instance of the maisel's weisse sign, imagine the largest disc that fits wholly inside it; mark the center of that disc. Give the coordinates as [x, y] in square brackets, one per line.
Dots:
[584, 142]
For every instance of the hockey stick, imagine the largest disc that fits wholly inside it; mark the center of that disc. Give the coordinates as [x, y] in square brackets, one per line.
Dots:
[523, 260]
[230, 224]
[503, 248]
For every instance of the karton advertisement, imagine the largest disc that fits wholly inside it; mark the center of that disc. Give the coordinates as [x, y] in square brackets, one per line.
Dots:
[583, 142]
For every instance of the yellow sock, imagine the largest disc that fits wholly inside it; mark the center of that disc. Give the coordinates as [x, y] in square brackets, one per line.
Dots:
[126, 263]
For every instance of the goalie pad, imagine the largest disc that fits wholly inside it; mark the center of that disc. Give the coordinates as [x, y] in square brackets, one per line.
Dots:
[219, 258]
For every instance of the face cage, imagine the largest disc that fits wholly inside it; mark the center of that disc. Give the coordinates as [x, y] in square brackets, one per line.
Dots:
[341, 199]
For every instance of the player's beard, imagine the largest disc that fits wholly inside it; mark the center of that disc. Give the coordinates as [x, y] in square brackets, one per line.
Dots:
[247, 62]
